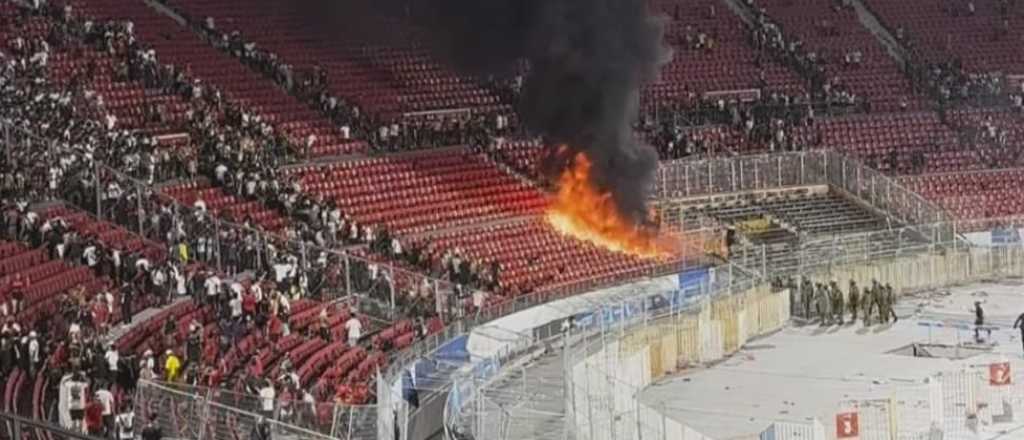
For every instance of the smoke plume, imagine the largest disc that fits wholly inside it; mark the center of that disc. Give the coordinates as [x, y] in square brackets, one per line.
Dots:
[587, 60]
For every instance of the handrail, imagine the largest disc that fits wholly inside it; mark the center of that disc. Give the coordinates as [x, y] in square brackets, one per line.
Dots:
[17, 425]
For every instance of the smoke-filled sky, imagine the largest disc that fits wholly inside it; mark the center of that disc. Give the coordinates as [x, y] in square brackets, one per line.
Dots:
[588, 59]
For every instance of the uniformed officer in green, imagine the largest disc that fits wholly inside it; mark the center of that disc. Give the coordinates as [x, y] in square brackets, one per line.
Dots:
[871, 300]
[823, 304]
[806, 295]
[890, 304]
[854, 300]
[838, 305]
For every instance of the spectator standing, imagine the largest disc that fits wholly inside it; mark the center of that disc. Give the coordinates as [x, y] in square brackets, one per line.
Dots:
[125, 422]
[152, 430]
[354, 328]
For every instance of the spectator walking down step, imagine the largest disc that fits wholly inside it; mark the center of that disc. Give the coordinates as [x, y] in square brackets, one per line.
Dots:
[355, 330]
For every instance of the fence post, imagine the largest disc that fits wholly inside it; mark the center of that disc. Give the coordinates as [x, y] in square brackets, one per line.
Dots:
[99, 190]
[348, 275]
[803, 168]
[8, 147]
[710, 179]
[778, 170]
[686, 179]
[391, 287]
[764, 260]
[216, 232]
[142, 211]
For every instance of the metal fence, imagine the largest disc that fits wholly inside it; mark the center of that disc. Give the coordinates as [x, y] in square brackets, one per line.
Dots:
[608, 368]
[683, 179]
[492, 400]
[198, 413]
[16, 427]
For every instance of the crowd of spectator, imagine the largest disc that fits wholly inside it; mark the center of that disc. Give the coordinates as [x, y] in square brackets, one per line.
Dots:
[94, 163]
[827, 89]
[708, 127]
[950, 85]
[385, 133]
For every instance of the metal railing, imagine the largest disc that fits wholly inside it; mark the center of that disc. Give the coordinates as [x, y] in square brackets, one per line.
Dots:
[198, 413]
[18, 428]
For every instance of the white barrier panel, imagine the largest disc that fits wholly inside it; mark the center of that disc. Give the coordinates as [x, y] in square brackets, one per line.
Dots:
[794, 431]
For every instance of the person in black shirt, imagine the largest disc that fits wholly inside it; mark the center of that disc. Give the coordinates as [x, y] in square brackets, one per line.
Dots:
[259, 432]
[979, 320]
[152, 430]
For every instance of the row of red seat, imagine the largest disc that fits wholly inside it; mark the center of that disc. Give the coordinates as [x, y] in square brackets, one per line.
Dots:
[413, 194]
[878, 78]
[381, 78]
[182, 48]
[974, 196]
[225, 205]
[732, 64]
[940, 36]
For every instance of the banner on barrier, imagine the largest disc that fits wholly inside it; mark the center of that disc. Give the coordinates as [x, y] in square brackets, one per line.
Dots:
[847, 426]
[999, 374]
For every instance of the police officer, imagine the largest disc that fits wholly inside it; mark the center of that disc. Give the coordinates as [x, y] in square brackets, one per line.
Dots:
[823, 304]
[854, 302]
[890, 303]
[873, 300]
[838, 305]
[806, 294]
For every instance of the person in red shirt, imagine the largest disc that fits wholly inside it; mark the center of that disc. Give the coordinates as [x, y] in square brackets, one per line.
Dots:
[94, 417]
[248, 306]
[275, 328]
[210, 351]
[100, 314]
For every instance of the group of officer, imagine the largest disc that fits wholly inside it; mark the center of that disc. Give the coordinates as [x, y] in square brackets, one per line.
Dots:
[827, 301]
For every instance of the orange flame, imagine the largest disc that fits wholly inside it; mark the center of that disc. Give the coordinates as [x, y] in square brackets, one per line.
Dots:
[583, 211]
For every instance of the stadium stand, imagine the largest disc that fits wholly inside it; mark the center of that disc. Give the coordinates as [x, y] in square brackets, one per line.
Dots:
[978, 35]
[848, 54]
[191, 117]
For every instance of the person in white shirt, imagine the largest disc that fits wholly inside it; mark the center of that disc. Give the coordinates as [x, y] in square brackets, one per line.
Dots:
[90, 256]
[125, 422]
[75, 332]
[212, 288]
[113, 357]
[143, 265]
[479, 297]
[76, 389]
[257, 291]
[267, 396]
[236, 307]
[178, 280]
[106, 398]
[354, 328]
[33, 353]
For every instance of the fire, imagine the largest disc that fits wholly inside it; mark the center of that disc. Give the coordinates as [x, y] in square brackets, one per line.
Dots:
[582, 211]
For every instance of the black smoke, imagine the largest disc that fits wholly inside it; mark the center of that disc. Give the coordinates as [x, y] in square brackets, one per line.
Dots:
[587, 61]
